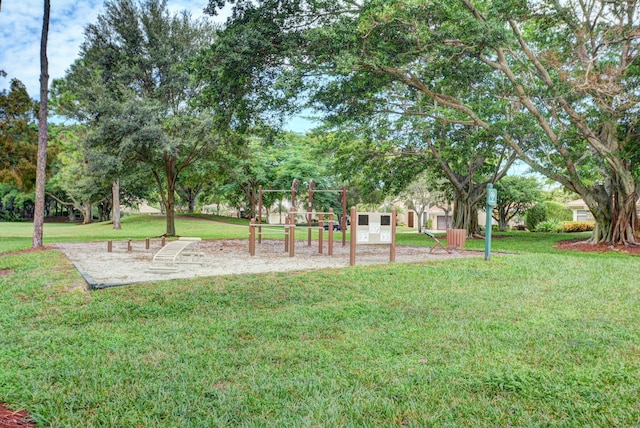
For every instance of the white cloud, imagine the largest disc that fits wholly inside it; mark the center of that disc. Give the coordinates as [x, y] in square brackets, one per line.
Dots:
[21, 27]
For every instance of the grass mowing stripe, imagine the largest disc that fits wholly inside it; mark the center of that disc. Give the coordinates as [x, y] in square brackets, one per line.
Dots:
[535, 338]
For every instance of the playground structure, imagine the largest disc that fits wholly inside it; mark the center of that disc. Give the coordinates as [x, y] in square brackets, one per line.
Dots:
[131, 245]
[367, 228]
[309, 214]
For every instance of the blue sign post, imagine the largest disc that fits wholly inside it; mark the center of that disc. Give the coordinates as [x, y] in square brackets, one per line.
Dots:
[492, 201]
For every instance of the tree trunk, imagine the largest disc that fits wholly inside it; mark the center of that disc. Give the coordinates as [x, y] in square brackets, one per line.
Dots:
[171, 210]
[465, 215]
[41, 167]
[615, 212]
[503, 222]
[115, 193]
[104, 210]
[170, 202]
[87, 212]
[194, 195]
[251, 194]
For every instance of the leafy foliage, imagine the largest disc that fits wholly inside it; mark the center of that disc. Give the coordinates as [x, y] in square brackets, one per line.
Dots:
[554, 83]
[552, 225]
[536, 214]
[18, 136]
[15, 205]
[131, 87]
[515, 195]
[557, 211]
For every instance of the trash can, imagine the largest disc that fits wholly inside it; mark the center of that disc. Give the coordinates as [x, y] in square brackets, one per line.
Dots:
[456, 238]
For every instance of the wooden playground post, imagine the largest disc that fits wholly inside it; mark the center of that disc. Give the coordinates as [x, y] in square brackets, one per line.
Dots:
[259, 214]
[343, 221]
[163, 241]
[252, 237]
[286, 234]
[310, 210]
[330, 249]
[109, 246]
[292, 232]
[146, 243]
[129, 245]
[294, 188]
[320, 230]
[352, 239]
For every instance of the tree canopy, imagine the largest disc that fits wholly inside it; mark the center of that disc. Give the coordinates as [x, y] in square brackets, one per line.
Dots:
[555, 82]
[18, 136]
[131, 86]
[516, 194]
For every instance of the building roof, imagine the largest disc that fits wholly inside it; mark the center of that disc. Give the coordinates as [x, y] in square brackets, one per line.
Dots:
[576, 203]
[579, 203]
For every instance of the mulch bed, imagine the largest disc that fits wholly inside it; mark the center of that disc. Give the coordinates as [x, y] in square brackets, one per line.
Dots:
[580, 244]
[13, 419]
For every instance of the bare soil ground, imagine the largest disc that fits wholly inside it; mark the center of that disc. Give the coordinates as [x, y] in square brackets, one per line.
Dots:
[228, 257]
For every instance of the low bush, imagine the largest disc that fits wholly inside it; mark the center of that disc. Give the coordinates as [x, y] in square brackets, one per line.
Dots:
[535, 215]
[558, 211]
[577, 226]
[552, 225]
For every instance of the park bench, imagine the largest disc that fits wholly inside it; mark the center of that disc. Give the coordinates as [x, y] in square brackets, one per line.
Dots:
[184, 250]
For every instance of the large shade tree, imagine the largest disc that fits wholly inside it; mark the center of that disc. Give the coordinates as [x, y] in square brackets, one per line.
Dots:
[390, 155]
[18, 136]
[516, 194]
[132, 87]
[558, 79]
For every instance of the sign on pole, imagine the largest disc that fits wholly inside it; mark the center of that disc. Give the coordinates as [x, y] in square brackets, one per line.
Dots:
[492, 201]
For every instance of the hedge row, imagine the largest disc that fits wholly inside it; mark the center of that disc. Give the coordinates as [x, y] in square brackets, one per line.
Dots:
[577, 226]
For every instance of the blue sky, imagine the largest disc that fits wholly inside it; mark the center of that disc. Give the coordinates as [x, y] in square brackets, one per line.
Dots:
[21, 26]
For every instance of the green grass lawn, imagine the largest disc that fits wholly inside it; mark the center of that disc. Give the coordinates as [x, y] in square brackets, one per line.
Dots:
[536, 337]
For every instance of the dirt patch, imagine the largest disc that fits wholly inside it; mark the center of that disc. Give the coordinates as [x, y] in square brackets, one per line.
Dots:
[580, 244]
[29, 250]
[229, 257]
[13, 419]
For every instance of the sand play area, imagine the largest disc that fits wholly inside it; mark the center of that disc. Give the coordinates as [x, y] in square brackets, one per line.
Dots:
[101, 268]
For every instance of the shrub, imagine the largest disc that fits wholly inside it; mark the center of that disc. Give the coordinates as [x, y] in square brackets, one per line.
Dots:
[535, 215]
[578, 226]
[552, 225]
[558, 211]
